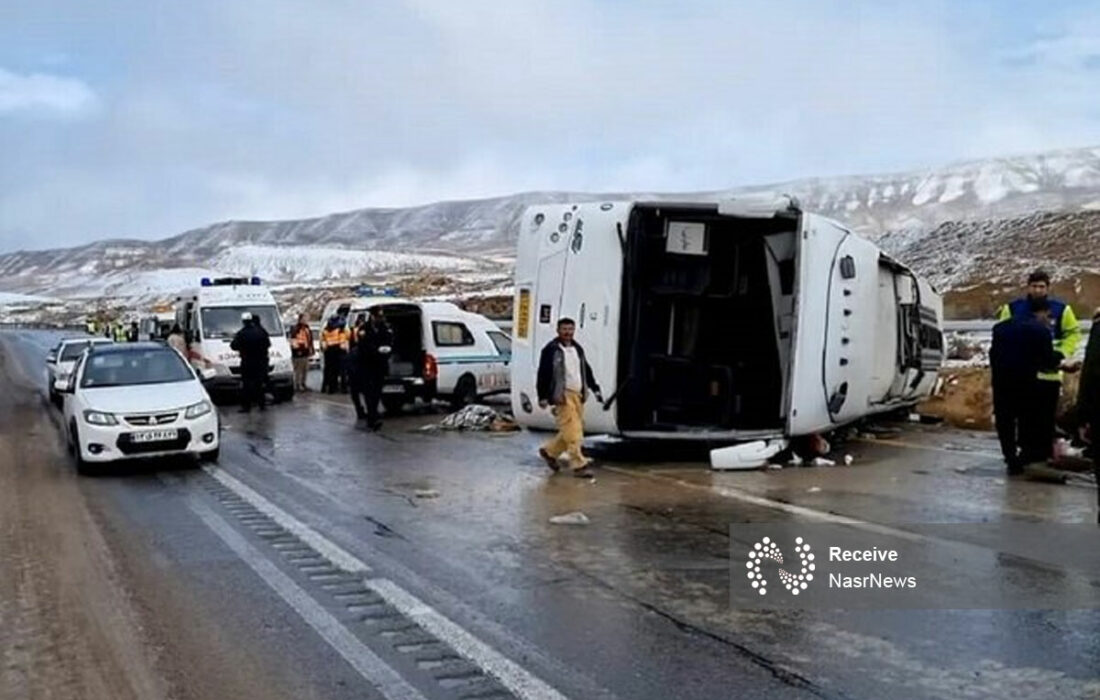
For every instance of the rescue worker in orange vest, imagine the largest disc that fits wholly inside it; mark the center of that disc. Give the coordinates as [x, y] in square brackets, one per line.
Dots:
[334, 348]
[301, 349]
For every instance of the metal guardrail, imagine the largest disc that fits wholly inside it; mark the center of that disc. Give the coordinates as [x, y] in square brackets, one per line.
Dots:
[985, 325]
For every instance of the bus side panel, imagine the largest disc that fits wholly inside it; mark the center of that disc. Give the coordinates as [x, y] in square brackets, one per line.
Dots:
[819, 244]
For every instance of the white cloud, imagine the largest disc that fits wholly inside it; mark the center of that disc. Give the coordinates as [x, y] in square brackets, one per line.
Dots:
[40, 92]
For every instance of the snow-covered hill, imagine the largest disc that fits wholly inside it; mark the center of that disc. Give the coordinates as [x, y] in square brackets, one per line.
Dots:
[480, 234]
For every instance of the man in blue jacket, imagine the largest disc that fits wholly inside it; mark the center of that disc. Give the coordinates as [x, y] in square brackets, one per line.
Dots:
[1021, 352]
[564, 380]
[1065, 336]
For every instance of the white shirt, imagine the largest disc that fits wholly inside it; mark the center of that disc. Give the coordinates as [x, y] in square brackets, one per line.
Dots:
[573, 380]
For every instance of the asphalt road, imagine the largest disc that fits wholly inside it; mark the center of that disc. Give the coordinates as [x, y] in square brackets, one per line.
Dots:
[318, 560]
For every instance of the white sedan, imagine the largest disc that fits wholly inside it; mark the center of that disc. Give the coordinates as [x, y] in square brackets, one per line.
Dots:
[136, 400]
[60, 360]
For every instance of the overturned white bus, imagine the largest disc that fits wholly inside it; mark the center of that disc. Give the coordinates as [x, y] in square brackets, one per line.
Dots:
[737, 320]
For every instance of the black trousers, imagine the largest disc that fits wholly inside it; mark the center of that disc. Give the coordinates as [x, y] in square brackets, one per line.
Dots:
[334, 370]
[252, 390]
[1013, 411]
[1045, 404]
[372, 382]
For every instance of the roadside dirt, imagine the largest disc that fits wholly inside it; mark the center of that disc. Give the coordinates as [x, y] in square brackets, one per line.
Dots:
[84, 615]
[966, 399]
[67, 629]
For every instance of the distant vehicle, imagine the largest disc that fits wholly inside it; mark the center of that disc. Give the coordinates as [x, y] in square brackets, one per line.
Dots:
[440, 351]
[61, 358]
[210, 315]
[158, 325]
[738, 320]
[132, 400]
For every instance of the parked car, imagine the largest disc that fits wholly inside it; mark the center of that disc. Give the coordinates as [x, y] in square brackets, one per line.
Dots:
[136, 400]
[60, 361]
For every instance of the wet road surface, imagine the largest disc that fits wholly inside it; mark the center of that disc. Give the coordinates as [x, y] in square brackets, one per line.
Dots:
[318, 560]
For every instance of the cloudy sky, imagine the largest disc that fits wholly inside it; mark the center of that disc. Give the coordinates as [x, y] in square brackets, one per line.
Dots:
[132, 118]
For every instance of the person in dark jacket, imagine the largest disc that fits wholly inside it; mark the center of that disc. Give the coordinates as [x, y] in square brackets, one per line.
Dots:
[133, 333]
[1088, 399]
[1021, 351]
[252, 343]
[563, 383]
[373, 345]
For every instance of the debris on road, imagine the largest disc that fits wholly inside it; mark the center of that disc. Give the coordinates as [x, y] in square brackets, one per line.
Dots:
[823, 462]
[574, 518]
[749, 455]
[848, 459]
[476, 417]
[813, 489]
[426, 493]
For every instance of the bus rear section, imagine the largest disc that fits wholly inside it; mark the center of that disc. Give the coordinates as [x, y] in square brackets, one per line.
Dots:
[706, 321]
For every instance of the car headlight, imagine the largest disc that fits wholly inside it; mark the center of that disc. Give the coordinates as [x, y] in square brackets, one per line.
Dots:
[198, 410]
[99, 418]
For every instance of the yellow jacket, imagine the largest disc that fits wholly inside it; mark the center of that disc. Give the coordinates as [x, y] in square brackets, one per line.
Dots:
[1066, 331]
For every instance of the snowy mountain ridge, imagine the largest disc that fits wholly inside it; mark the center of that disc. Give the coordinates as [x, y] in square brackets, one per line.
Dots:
[480, 234]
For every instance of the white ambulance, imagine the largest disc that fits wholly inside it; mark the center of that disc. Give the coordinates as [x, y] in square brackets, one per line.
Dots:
[738, 320]
[439, 350]
[210, 315]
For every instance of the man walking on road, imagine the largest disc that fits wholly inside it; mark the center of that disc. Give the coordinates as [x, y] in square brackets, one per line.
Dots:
[1088, 399]
[564, 380]
[1022, 350]
[252, 343]
[1065, 336]
[301, 349]
[373, 344]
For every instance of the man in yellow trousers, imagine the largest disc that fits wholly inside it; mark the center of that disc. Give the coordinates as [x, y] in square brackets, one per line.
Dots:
[564, 380]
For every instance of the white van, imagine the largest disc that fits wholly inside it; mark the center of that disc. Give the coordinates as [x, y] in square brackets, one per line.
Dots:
[738, 320]
[439, 351]
[210, 315]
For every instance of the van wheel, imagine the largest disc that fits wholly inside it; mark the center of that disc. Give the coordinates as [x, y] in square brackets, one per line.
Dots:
[393, 405]
[465, 392]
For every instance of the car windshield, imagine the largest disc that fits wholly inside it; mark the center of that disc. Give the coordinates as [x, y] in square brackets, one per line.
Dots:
[73, 350]
[132, 367]
[225, 321]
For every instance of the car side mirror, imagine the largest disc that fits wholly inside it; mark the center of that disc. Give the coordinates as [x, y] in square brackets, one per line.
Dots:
[207, 373]
[51, 358]
[62, 386]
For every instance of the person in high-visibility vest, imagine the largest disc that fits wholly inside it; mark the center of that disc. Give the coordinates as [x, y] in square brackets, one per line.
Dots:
[1065, 333]
[334, 348]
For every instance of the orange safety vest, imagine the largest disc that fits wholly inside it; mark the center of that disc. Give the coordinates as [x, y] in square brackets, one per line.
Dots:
[303, 340]
[335, 337]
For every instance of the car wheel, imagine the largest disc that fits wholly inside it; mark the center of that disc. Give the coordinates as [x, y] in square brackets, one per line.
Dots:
[465, 392]
[83, 467]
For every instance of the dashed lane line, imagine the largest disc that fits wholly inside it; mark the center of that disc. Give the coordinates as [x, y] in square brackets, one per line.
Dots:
[373, 669]
[519, 681]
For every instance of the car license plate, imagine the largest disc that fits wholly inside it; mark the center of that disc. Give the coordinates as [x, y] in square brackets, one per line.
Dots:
[155, 435]
[393, 389]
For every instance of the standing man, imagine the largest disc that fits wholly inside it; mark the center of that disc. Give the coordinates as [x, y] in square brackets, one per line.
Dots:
[133, 333]
[334, 344]
[1065, 334]
[301, 349]
[1021, 351]
[564, 380]
[252, 343]
[1088, 399]
[372, 349]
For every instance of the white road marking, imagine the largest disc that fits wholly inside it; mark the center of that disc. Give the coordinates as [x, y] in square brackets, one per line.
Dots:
[373, 669]
[325, 547]
[511, 675]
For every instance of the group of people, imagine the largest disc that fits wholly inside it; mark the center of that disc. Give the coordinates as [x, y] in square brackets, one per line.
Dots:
[118, 332]
[355, 359]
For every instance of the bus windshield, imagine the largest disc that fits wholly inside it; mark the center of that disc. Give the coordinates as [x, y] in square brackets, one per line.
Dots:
[225, 321]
